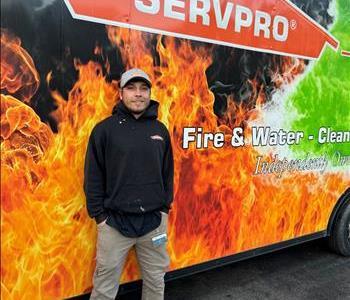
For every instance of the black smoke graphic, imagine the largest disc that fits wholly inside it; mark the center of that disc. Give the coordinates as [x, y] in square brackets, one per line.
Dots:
[233, 76]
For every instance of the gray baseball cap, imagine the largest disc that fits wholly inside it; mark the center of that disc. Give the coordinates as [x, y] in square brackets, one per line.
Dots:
[134, 74]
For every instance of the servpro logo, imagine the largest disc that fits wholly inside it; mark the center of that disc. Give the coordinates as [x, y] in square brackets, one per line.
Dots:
[274, 26]
[209, 12]
[156, 137]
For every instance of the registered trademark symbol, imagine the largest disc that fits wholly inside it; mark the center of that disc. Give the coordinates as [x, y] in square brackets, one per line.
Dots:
[293, 24]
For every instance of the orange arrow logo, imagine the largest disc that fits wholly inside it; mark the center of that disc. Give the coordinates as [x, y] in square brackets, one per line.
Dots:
[273, 26]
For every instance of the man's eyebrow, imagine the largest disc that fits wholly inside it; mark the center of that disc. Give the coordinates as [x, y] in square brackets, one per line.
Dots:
[130, 84]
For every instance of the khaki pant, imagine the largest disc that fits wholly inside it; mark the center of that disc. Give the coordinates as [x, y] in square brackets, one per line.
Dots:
[112, 250]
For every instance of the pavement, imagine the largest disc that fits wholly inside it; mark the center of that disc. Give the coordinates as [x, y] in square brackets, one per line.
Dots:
[309, 271]
[306, 271]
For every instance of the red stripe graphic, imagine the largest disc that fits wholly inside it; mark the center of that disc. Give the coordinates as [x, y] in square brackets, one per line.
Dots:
[273, 26]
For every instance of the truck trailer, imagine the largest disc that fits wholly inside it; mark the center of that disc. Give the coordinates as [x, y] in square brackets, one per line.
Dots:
[256, 98]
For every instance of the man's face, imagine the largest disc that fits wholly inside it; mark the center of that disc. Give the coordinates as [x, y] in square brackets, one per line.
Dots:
[136, 96]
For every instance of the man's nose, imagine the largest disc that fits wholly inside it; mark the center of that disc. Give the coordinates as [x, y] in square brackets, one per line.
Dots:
[138, 92]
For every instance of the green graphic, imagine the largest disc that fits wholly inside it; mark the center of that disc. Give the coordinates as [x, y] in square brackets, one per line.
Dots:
[322, 98]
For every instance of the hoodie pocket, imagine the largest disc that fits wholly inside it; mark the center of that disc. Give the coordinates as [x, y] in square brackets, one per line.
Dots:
[140, 198]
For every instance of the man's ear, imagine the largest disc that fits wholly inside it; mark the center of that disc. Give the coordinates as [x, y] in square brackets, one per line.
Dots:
[121, 94]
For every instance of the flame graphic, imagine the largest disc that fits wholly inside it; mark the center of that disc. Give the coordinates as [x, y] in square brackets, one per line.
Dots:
[48, 241]
[18, 73]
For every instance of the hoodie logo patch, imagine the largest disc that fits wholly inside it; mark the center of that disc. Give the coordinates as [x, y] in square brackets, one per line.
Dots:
[156, 137]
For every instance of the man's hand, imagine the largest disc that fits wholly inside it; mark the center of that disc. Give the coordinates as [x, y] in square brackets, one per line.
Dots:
[101, 218]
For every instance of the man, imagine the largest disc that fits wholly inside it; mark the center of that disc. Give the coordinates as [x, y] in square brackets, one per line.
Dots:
[129, 189]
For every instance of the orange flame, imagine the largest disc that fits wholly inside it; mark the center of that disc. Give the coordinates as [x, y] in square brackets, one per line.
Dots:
[219, 209]
[18, 73]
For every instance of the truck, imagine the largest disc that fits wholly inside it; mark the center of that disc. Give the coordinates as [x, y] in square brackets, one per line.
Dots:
[255, 95]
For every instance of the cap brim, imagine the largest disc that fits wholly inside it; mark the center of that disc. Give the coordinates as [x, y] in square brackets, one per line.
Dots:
[137, 78]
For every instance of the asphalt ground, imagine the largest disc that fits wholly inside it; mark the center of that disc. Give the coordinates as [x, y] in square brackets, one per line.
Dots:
[306, 271]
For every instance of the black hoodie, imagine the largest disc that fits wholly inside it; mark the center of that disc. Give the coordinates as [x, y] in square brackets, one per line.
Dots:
[129, 164]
